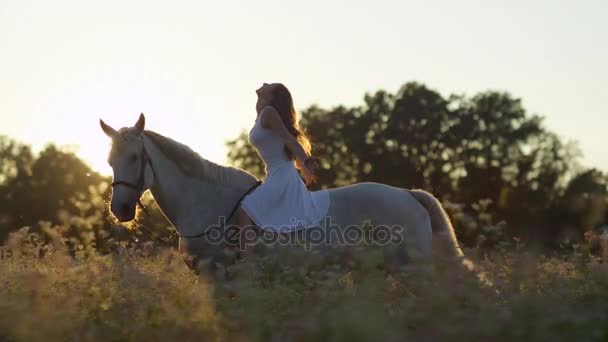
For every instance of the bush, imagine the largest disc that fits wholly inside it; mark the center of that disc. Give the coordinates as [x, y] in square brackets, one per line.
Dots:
[147, 293]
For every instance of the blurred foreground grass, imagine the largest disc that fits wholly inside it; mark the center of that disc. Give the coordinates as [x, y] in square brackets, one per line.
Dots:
[149, 294]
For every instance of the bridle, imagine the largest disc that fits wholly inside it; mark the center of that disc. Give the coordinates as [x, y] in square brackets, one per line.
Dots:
[139, 187]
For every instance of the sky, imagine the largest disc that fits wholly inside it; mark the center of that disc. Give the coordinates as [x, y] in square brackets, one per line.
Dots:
[192, 66]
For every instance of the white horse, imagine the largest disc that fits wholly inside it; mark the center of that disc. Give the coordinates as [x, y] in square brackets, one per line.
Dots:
[195, 194]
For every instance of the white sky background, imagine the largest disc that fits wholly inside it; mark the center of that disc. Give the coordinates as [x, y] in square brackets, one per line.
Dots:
[193, 66]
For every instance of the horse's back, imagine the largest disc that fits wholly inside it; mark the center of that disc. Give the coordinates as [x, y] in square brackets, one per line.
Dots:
[377, 202]
[382, 205]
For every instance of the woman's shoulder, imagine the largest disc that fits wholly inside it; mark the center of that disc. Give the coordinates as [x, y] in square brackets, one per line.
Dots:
[268, 109]
[267, 114]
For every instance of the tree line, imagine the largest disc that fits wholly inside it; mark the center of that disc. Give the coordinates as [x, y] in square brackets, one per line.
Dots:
[486, 155]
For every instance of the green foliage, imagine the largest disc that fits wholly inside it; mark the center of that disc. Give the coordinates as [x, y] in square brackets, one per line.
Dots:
[145, 294]
[15, 160]
[148, 293]
[44, 188]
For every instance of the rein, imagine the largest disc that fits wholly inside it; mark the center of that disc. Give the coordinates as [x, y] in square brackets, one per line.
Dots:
[236, 206]
[145, 159]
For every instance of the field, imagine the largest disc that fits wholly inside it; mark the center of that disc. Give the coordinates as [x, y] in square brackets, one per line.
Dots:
[148, 293]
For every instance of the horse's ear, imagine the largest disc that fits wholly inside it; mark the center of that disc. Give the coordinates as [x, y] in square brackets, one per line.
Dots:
[109, 131]
[141, 124]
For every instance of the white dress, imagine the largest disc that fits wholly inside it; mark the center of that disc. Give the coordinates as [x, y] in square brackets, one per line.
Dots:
[282, 203]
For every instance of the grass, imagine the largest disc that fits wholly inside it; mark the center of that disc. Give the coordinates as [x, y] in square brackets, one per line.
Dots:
[149, 294]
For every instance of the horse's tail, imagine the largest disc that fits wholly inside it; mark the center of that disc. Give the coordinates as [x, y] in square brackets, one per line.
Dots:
[445, 243]
[444, 238]
[443, 231]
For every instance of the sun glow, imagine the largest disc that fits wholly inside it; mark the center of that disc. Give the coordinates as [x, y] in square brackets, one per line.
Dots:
[77, 108]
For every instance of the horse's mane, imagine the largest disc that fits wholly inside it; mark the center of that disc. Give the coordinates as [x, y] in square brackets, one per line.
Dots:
[193, 165]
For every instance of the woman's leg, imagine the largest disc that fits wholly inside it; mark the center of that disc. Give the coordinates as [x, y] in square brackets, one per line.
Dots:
[245, 223]
[242, 218]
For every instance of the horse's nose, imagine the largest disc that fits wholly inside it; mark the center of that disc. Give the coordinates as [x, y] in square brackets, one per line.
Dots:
[123, 211]
[124, 207]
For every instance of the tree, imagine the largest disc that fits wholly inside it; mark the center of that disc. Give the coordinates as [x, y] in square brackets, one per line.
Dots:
[51, 187]
[584, 205]
[15, 160]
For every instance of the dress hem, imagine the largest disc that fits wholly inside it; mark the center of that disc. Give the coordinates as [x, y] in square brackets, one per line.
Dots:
[256, 220]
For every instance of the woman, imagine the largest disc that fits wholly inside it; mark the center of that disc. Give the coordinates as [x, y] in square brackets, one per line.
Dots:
[282, 203]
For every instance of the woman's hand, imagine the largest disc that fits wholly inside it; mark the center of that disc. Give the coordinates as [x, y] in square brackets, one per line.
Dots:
[307, 165]
[312, 164]
[309, 168]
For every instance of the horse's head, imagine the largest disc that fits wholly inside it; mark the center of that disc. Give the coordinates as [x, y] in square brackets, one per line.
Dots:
[131, 166]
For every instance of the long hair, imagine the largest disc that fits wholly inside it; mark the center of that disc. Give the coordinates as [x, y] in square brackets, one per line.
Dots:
[282, 101]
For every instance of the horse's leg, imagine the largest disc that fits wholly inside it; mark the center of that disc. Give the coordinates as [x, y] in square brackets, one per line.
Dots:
[246, 226]
[202, 256]
[189, 253]
[411, 228]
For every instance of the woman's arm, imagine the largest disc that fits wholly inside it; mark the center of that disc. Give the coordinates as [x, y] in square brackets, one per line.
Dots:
[271, 120]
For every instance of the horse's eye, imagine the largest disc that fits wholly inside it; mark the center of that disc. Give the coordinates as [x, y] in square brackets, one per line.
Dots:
[133, 158]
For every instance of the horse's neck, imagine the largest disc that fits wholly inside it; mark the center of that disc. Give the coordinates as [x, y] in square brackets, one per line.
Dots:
[192, 204]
